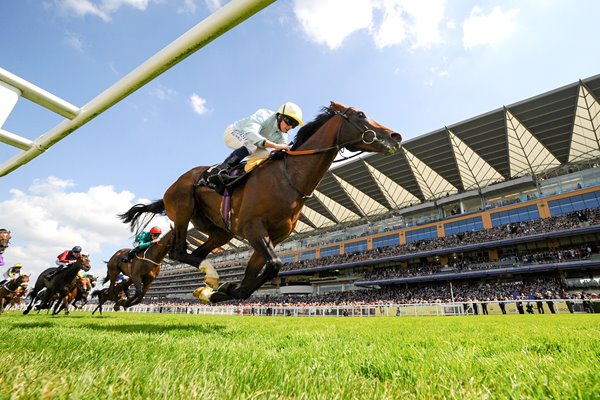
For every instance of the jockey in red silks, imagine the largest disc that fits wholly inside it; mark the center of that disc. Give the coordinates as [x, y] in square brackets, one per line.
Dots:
[65, 258]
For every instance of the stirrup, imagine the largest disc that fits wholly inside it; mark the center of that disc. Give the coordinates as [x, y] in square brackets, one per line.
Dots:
[222, 177]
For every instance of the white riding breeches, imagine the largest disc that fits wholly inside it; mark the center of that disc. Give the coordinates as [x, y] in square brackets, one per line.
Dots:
[234, 139]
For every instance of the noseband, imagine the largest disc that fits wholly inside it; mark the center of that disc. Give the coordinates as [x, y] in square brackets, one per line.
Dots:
[364, 138]
[365, 131]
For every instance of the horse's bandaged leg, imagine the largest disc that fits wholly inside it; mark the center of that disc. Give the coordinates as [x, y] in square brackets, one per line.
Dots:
[211, 277]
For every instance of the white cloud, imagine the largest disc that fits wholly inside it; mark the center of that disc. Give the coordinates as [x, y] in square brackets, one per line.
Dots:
[213, 5]
[414, 20]
[198, 104]
[82, 8]
[162, 92]
[329, 22]
[74, 41]
[390, 22]
[51, 217]
[101, 9]
[188, 7]
[480, 29]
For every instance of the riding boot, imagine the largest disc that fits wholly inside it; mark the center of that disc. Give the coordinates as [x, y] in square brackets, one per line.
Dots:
[56, 271]
[219, 174]
[127, 258]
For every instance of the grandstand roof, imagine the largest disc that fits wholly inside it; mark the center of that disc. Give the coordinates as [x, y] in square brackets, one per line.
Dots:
[538, 136]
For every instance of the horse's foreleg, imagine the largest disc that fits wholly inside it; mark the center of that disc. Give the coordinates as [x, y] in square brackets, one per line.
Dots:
[138, 295]
[30, 306]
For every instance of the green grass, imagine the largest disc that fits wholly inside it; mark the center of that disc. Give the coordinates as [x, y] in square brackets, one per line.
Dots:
[156, 356]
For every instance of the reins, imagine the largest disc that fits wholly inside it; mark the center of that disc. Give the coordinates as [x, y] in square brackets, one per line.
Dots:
[337, 148]
[147, 259]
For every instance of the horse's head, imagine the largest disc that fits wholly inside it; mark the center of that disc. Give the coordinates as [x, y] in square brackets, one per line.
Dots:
[23, 281]
[84, 283]
[361, 133]
[84, 262]
[4, 239]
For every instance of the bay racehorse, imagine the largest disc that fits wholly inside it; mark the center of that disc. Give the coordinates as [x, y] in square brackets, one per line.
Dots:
[46, 290]
[4, 239]
[4, 243]
[83, 286]
[266, 207]
[142, 270]
[105, 295]
[12, 289]
[17, 299]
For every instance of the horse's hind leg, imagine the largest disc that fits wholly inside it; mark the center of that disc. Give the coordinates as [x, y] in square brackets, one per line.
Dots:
[179, 206]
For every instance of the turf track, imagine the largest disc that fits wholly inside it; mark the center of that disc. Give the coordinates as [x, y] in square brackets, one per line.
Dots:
[157, 356]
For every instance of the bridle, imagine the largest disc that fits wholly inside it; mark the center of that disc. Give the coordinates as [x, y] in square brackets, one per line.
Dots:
[363, 138]
[366, 131]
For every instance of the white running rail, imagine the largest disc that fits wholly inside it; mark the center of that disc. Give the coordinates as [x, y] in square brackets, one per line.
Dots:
[11, 86]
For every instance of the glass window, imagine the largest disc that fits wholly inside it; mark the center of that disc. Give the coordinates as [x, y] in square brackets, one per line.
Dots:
[574, 203]
[355, 246]
[308, 255]
[330, 251]
[384, 241]
[421, 234]
[515, 215]
[290, 258]
[466, 225]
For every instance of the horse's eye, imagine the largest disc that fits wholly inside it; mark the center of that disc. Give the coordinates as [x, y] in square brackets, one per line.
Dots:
[361, 115]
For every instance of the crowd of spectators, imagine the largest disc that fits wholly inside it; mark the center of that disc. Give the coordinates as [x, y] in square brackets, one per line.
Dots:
[513, 230]
[442, 293]
[523, 292]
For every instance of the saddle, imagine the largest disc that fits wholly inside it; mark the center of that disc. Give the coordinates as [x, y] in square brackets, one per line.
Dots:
[237, 171]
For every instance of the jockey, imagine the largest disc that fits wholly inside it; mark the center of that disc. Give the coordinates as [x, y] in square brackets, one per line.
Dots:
[12, 273]
[142, 242]
[121, 278]
[253, 135]
[65, 258]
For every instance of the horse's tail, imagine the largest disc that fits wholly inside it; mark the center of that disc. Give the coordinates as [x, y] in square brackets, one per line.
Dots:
[106, 279]
[132, 215]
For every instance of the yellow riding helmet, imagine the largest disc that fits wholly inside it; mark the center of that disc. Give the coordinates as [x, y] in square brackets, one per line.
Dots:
[291, 110]
[18, 266]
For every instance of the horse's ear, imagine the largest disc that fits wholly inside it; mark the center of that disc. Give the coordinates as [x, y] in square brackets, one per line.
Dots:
[336, 106]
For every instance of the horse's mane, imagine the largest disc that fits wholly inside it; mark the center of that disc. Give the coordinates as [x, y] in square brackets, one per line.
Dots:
[310, 128]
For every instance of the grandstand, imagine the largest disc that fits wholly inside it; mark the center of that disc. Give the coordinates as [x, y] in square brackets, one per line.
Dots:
[509, 198]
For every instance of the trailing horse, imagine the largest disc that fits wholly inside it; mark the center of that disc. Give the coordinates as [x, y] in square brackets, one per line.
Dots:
[105, 295]
[265, 208]
[142, 270]
[80, 292]
[4, 243]
[12, 289]
[57, 287]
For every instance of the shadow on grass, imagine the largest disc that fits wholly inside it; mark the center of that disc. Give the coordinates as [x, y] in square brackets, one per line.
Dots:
[158, 328]
[26, 325]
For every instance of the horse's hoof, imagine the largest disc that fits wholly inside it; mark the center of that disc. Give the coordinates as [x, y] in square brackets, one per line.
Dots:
[203, 294]
[211, 277]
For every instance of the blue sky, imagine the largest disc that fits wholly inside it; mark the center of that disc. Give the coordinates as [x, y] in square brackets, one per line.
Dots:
[414, 66]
